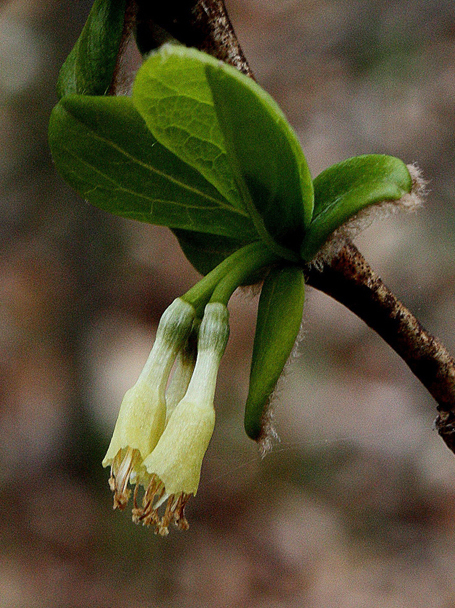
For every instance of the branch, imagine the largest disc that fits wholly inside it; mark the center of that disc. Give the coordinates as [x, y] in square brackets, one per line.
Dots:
[351, 281]
[348, 278]
[203, 24]
[128, 26]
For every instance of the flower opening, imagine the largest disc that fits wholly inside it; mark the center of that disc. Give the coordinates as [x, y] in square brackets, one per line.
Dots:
[154, 498]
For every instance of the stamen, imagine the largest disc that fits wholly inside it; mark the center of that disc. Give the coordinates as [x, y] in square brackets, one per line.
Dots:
[161, 501]
[180, 520]
[121, 469]
[155, 497]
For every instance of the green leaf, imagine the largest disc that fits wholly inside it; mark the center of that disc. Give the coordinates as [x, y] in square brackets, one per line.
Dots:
[224, 125]
[278, 323]
[346, 188]
[103, 149]
[172, 95]
[272, 171]
[89, 68]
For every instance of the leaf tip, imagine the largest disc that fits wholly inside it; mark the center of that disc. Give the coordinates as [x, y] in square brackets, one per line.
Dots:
[410, 201]
[262, 429]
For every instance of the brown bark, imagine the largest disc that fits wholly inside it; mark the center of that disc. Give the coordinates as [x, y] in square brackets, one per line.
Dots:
[203, 24]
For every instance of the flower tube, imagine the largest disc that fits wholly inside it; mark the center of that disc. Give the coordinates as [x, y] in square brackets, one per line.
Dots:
[182, 372]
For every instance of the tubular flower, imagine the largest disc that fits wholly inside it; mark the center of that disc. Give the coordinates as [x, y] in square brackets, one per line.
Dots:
[182, 372]
[142, 416]
[171, 472]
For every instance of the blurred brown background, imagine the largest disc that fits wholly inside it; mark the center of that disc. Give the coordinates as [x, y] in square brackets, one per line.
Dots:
[356, 506]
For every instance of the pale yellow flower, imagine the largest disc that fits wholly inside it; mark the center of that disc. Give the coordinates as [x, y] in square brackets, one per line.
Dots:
[172, 470]
[182, 372]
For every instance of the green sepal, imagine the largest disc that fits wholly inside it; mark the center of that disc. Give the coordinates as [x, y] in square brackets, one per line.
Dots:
[90, 66]
[278, 323]
[224, 125]
[103, 149]
[346, 188]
